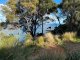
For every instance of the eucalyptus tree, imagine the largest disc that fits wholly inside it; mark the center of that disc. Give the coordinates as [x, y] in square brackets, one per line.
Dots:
[31, 10]
[71, 8]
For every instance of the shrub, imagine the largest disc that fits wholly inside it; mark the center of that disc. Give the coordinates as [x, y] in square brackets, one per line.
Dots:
[49, 39]
[8, 42]
[58, 39]
[69, 36]
[28, 41]
[7, 45]
[40, 41]
[53, 39]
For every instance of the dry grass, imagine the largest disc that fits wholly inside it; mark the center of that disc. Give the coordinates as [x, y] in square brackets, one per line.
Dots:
[72, 50]
[28, 41]
[50, 39]
[47, 47]
[52, 53]
[40, 41]
[70, 36]
[8, 41]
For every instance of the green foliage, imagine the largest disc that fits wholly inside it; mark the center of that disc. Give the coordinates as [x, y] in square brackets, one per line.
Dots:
[46, 4]
[12, 5]
[72, 7]
[77, 39]
[30, 5]
[10, 14]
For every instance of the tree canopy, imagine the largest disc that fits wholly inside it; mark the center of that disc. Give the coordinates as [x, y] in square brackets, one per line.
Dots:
[31, 5]
[72, 10]
[31, 9]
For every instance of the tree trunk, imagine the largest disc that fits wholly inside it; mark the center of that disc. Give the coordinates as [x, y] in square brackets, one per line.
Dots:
[42, 26]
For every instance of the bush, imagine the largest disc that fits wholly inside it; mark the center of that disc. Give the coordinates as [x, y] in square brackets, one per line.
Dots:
[58, 39]
[49, 39]
[40, 41]
[47, 47]
[28, 41]
[70, 36]
[53, 39]
[8, 42]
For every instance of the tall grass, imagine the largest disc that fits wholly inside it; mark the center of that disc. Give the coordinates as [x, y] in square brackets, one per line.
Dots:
[53, 39]
[47, 47]
[28, 41]
[40, 41]
[8, 41]
[7, 45]
[70, 36]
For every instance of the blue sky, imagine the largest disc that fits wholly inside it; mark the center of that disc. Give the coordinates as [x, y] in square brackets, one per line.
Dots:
[57, 1]
[3, 1]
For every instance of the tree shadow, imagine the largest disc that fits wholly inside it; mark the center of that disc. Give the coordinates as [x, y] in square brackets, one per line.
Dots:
[69, 51]
[66, 28]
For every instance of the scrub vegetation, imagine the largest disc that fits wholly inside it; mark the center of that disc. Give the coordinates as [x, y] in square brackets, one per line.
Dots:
[46, 47]
[63, 43]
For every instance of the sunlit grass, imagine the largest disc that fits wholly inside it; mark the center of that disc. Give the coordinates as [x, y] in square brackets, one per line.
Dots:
[50, 38]
[40, 41]
[71, 36]
[28, 41]
[47, 47]
[8, 41]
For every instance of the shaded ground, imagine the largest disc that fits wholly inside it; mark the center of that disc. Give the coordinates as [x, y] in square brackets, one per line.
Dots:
[72, 50]
[69, 51]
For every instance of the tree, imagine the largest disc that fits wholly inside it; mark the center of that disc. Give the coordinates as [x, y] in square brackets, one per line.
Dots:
[71, 8]
[9, 13]
[31, 10]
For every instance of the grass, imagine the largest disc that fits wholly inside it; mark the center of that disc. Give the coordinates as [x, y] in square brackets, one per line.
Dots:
[8, 41]
[40, 41]
[47, 47]
[70, 36]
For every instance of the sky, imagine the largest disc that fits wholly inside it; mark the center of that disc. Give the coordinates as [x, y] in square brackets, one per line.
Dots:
[57, 1]
[3, 1]
[2, 17]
